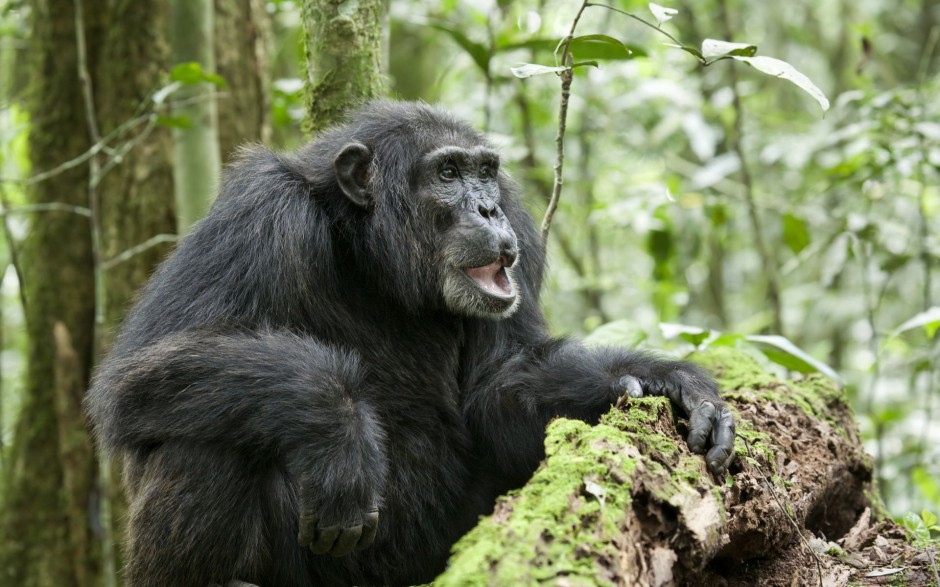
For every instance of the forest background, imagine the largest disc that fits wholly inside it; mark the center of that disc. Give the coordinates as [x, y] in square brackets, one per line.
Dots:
[702, 205]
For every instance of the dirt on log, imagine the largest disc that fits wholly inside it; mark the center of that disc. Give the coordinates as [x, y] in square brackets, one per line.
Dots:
[625, 503]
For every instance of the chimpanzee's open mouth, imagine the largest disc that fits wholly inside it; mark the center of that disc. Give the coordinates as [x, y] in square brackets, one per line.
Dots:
[492, 278]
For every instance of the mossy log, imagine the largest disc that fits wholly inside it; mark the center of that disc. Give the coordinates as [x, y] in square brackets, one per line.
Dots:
[626, 503]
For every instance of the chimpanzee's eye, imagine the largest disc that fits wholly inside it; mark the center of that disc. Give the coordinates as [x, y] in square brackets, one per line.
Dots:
[449, 172]
[486, 172]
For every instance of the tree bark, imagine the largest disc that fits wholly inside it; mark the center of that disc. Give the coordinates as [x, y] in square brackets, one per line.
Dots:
[242, 46]
[343, 46]
[136, 197]
[78, 458]
[56, 262]
[50, 508]
[626, 503]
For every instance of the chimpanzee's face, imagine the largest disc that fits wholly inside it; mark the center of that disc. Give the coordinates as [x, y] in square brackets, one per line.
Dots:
[476, 245]
[435, 224]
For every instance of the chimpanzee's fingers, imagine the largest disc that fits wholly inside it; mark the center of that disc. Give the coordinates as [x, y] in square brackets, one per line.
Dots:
[347, 540]
[324, 539]
[307, 532]
[701, 422]
[632, 386]
[722, 451]
[370, 526]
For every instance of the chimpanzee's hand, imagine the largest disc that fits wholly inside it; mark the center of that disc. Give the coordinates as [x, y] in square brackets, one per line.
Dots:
[695, 393]
[336, 521]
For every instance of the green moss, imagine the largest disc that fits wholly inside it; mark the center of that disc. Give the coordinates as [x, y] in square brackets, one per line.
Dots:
[570, 514]
[835, 551]
[569, 519]
[754, 444]
[637, 421]
[741, 377]
[733, 369]
[555, 516]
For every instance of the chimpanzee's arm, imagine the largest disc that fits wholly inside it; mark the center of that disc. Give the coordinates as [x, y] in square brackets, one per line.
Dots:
[514, 397]
[258, 394]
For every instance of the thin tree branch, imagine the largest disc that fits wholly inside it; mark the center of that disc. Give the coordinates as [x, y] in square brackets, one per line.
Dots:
[530, 163]
[94, 134]
[103, 145]
[566, 76]
[124, 149]
[98, 147]
[138, 249]
[46, 207]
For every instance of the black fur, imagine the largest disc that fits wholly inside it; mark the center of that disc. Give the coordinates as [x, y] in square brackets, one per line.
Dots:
[292, 368]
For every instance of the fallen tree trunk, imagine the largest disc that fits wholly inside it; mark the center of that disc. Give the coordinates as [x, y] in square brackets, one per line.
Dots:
[626, 503]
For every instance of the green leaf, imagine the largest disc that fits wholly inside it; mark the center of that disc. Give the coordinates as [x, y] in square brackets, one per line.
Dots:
[672, 330]
[917, 527]
[598, 47]
[691, 334]
[529, 69]
[191, 73]
[585, 64]
[477, 51]
[795, 233]
[929, 320]
[727, 339]
[181, 121]
[712, 48]
[698, 54]
[661, 13]
[616, 333]
[784, 70]
[892, 263]
[929, 518]
[587, 47]
[695, 339]
[783, 352]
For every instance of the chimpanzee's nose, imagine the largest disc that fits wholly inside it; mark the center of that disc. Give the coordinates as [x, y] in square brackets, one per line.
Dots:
[487, 211]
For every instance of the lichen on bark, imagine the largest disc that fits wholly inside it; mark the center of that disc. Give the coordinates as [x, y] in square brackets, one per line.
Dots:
[343, 47]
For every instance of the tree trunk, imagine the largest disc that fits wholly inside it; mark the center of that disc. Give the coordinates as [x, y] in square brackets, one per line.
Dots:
[38, 522]
[343, 45]
[242, 45]
[78, 458]
[625, 503]
[196, 144]
[137, 219]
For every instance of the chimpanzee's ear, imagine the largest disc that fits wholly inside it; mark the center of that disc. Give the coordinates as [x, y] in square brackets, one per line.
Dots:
[352, 173]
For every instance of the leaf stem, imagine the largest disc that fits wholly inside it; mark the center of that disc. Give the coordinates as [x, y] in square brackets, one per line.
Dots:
[637, 18]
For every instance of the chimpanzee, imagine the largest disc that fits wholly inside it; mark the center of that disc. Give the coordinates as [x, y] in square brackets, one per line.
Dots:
[340, 368]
